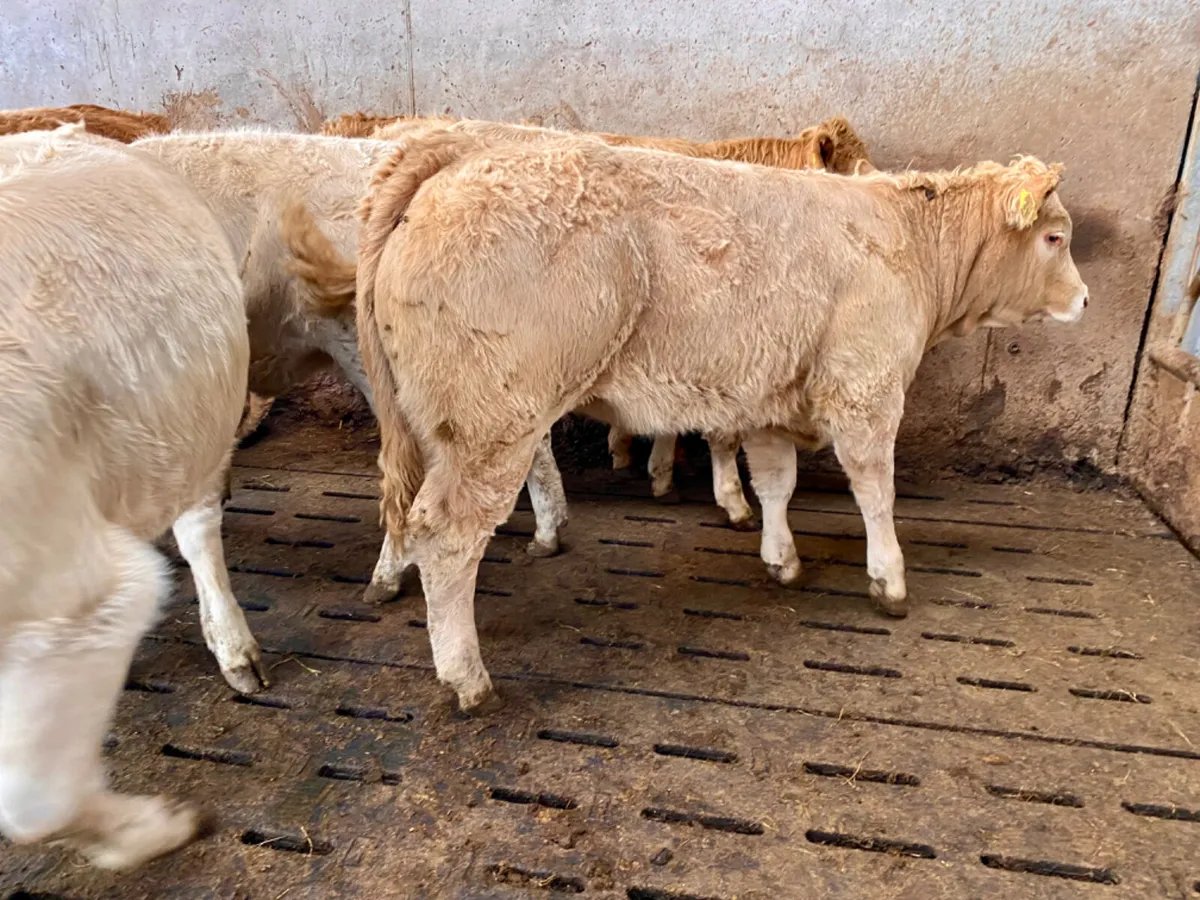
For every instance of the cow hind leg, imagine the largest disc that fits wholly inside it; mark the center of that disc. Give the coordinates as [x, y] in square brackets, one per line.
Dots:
[772, 460]
[727, 483]
[198, 534]
[448, 576]
[387, 581]
[548, 499]
[255, 414]
[448, 528]
[59, 684]
[549, 502]
[868, 459]
[662, 468]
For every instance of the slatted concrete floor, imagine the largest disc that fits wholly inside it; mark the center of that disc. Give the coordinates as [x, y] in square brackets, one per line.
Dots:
[678, 727]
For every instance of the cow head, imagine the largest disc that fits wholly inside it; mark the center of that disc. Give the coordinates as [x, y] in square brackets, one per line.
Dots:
[1024, 271]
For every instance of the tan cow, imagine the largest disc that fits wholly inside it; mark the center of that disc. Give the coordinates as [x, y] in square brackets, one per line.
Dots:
[118, 124]
[365, 125]
[248, 178]
[663, 294]
[833, 141]
[123, 359]
[832, 145]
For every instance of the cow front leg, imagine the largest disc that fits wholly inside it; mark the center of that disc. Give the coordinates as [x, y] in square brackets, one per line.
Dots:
[198, 534]
[772, 460]
[868, 457]
[661, 467]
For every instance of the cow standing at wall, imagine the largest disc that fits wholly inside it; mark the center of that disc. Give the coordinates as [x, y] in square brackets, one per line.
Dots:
[123, 360]
[832, 144]
[661, 293]
[118, 124]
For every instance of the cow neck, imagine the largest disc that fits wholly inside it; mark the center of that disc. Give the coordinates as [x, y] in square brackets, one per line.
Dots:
[960, 230]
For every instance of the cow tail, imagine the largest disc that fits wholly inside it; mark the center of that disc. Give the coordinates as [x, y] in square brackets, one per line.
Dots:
[393, 185]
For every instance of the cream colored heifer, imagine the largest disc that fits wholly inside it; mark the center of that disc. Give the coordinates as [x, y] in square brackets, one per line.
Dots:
[832, 145]
[123, 359]
[250, 178]
[662, 294]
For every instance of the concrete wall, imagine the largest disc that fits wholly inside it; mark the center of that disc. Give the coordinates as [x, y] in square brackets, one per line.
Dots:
[1104, 86]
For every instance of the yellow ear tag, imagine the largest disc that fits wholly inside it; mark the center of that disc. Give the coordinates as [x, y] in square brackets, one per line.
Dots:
[1025, 205]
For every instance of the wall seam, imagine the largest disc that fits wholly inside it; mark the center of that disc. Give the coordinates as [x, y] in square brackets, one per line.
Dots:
[412, 82]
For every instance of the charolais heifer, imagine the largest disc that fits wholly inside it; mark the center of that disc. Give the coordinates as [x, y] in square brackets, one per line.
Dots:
[667, 294]
[123, 359]
[833, 145]
[124, 126]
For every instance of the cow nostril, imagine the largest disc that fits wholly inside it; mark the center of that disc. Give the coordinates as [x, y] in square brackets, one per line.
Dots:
[1085, 301]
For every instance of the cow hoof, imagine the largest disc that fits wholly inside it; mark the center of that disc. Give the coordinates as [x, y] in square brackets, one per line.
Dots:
[747, 524]
[896, 607]
[378, 593]
[145, 828]
[670, 497]
[248, 440]
[540, 550]
[491, 702]
[624, 472]
[249, 677]
[785, 575]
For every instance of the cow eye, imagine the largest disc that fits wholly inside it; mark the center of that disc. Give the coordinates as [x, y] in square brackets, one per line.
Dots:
[1054, 238]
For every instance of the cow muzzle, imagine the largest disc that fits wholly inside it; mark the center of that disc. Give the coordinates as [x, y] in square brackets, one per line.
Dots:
[1074, 312]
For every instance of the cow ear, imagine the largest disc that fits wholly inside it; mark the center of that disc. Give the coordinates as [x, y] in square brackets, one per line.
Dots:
[1027, 192]
[826, 147]
[819, 146]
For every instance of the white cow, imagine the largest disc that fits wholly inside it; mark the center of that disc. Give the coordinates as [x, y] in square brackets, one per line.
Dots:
[123, 360]
[250, 179]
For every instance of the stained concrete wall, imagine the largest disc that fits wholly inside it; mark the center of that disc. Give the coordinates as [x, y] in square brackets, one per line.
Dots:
[1104, 86]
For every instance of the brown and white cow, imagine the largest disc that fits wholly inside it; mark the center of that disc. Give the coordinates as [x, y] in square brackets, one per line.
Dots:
[123, 359]
[368, 125]
[667, 294]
